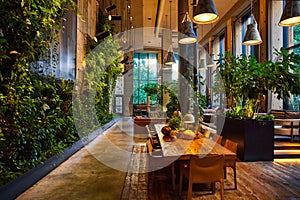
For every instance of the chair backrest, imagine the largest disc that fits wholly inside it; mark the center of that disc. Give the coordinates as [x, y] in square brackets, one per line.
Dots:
[207, 169]
[149, 146]
[230, 145]
[206, 133]
[151, 150]
[217, 138]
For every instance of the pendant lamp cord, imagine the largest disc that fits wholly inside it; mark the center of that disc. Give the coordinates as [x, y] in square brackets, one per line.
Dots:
[170, 21]
[171, 48]
[251, 12]
[251, 8]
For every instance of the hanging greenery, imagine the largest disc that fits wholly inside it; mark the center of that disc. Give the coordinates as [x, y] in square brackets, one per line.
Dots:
[36, 119]
[92, 101]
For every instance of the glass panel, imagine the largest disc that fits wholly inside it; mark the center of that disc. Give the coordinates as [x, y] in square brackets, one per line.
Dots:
[295, 99]
[296, 33]
[145, 71]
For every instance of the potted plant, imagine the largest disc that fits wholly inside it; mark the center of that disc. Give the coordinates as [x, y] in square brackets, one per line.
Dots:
[246, 83]
[152, 90]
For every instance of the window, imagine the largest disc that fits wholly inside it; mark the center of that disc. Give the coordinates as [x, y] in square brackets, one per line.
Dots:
[222, 44]
[294, 102]
[246, 20]
[240, 29]
[145, 70]
[286, 37]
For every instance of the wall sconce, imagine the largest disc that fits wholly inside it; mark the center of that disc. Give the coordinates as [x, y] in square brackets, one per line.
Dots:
[114, 17]
[110, 8]
[189, 36]
[101, 35]
[205, 12]
[291, 14]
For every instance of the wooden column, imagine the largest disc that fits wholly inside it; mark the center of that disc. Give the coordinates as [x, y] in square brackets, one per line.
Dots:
[210, 73]
[183, 64]
[263, 29]
[229, 45]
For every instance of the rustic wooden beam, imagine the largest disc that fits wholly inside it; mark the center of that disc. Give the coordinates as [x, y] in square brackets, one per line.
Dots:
[263, 29]
[229, 41]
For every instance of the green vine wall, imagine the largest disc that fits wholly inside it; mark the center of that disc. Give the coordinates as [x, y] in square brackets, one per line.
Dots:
[36, 118]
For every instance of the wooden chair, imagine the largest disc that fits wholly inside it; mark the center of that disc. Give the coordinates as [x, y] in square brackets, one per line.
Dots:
[230, 162]
[206, 133]
[217, 138]
[156, 161]
[209, 169]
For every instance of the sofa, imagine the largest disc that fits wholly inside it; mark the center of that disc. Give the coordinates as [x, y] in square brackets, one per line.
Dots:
[287, 123]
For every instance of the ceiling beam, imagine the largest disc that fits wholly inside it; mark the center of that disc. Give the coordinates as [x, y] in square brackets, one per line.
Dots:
[159, 15]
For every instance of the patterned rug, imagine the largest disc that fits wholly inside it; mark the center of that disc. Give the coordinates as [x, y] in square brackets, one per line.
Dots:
[136, 184]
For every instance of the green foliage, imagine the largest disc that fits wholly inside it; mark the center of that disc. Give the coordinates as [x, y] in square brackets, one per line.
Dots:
[201, 103]
[246, 81]
[173, 104]
[174, 122]
[28, 32]
[152, 90]
[296, 35]
[92, 100]
[265, 117]
[36, 119]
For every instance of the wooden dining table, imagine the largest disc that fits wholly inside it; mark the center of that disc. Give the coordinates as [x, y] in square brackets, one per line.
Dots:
[184, 148]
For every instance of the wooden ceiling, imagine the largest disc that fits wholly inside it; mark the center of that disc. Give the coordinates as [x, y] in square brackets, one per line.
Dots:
[156, 14]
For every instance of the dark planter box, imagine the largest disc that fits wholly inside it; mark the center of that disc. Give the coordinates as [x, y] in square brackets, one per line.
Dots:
[255, 138]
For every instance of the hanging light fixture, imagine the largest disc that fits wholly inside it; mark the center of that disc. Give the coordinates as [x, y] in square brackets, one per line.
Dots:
[211, 60]
[291, 14]
[189, 36]
[205, 12]
[170, 59]
[202, 64]
[252, 36]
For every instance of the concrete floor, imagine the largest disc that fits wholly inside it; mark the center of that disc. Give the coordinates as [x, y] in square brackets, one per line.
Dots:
[97, 171]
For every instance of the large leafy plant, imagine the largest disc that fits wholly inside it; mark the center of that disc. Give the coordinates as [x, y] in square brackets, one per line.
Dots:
[246, 81]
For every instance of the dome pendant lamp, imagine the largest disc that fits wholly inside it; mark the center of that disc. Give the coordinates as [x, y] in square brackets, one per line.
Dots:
[170, 59]
[252, 36]
[205, 12]
[189, 36]
[291, 14]
[202, 64]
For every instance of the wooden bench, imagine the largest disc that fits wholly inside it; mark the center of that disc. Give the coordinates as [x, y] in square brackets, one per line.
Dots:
[287, 127]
